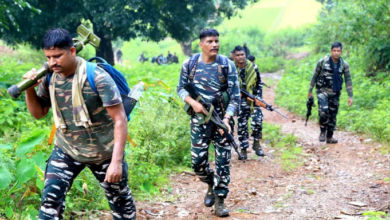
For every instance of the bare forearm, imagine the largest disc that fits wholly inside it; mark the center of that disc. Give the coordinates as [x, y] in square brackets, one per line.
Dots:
[120, 134]
[33, 104]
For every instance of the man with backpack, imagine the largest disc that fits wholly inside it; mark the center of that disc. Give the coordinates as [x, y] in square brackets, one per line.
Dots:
[249, 77]
[91, 128]
[215, 78]
[327, 77]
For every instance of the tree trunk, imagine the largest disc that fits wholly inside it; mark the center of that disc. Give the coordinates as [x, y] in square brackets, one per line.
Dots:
[105, 49]
[186, 48]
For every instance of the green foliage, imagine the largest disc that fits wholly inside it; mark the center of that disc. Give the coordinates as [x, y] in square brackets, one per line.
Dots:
[285, 145]
[369, 113]
[376, 215]
[361, 25]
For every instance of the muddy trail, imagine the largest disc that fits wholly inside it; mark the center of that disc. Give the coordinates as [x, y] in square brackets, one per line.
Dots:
[336, 181]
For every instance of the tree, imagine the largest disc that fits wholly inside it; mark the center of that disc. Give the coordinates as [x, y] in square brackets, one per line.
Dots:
[6, 16]
[127, 19]
[109, 20]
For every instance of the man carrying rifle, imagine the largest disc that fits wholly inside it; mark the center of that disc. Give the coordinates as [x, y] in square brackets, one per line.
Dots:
[327, 78]
[91, 128]
[207, 72]
[249, 77]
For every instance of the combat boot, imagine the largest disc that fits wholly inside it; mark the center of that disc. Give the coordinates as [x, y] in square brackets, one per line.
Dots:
[219, 208]
[331, 141]
[257, 148]
[244, 154]
[322, 136]
[209, 199]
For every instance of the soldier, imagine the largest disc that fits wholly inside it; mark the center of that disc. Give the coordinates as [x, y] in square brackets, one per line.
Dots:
[175, 59]
[91, 128]
[250, 79]
[208, 78]
[327, 77]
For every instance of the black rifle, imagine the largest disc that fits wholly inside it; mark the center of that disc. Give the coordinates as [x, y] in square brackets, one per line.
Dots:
[191, 89]
[264, 85]
[309, 105]
[258, 102]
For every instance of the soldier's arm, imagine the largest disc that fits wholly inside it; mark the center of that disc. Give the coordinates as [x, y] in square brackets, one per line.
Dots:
[348, 80]
[316, 72]
[258, 90]
[183, 80]
[233, 90]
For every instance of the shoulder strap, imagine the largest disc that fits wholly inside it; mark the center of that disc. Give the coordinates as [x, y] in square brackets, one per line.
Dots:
[223, 69]
[192, 66]
[91, 67]
[48, 77]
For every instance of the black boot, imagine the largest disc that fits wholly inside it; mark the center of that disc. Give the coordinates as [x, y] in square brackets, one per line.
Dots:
[322, 136]
[220, 209]
[244, 154]
[331, 140]
[209, 199]
[257, 148]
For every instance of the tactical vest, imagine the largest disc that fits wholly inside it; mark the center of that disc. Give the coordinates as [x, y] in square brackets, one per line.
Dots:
[325, 78]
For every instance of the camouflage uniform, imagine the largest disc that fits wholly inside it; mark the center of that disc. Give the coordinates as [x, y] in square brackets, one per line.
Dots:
[328, 101]
[245, 113]
[209, 86]
[78, 147]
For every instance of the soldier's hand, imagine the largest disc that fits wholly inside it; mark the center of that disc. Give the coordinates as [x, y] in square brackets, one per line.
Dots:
[114, 172]
[350, 102]
[226, 122]
[32, 74]
[198, 108]
[310, 95]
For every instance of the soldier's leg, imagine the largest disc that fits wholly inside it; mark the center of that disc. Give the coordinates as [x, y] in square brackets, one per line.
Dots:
[118, 194]
[200, 140]
[222, 174]
[61, 170]
[334, 102]
[242, 119]
[323, 113]
[257, 127]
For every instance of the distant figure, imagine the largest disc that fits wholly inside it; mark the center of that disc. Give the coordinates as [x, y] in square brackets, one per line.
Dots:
[161, 59]
[175, 59]
[142, 59]
[169, 57]
[154, 60]
[246, 49]
[119, 56]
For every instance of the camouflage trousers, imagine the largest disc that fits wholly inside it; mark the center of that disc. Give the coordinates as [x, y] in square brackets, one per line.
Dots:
[61, 170]
[201, 137]
[256, 124]
[328, 106]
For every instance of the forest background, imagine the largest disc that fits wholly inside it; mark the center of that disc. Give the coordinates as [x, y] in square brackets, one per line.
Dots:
[273, 30]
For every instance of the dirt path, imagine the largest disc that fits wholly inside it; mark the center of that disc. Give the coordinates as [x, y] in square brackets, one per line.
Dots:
[333, 176]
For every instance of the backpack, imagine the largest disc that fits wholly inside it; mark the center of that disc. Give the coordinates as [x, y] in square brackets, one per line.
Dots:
[223, 62]
[117, 76]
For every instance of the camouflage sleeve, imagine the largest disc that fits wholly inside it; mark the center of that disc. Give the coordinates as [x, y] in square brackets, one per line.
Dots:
[348, 80]
[316, 72]
[183, 80]
[107, 89]
[258, 90]
[43, 93]
[233, 89]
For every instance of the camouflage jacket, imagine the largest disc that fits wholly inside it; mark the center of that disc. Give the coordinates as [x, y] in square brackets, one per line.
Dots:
[87, 145]
[323, 77]
[207, 82]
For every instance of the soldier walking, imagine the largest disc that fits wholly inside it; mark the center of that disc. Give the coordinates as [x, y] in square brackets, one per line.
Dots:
[206, 71]
[249, 77]
[327, 77]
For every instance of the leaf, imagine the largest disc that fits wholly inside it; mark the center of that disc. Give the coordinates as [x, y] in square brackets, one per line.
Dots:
[39, 160]
[6, 146]
[5, 178]
[9, 212]
[27, 145]
[32, 212]
[25, 171]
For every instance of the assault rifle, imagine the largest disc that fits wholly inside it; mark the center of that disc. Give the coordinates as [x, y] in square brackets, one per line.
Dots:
[259, 102]
[191, 89]
[264, 85]
[87, 38]
[309, 105]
